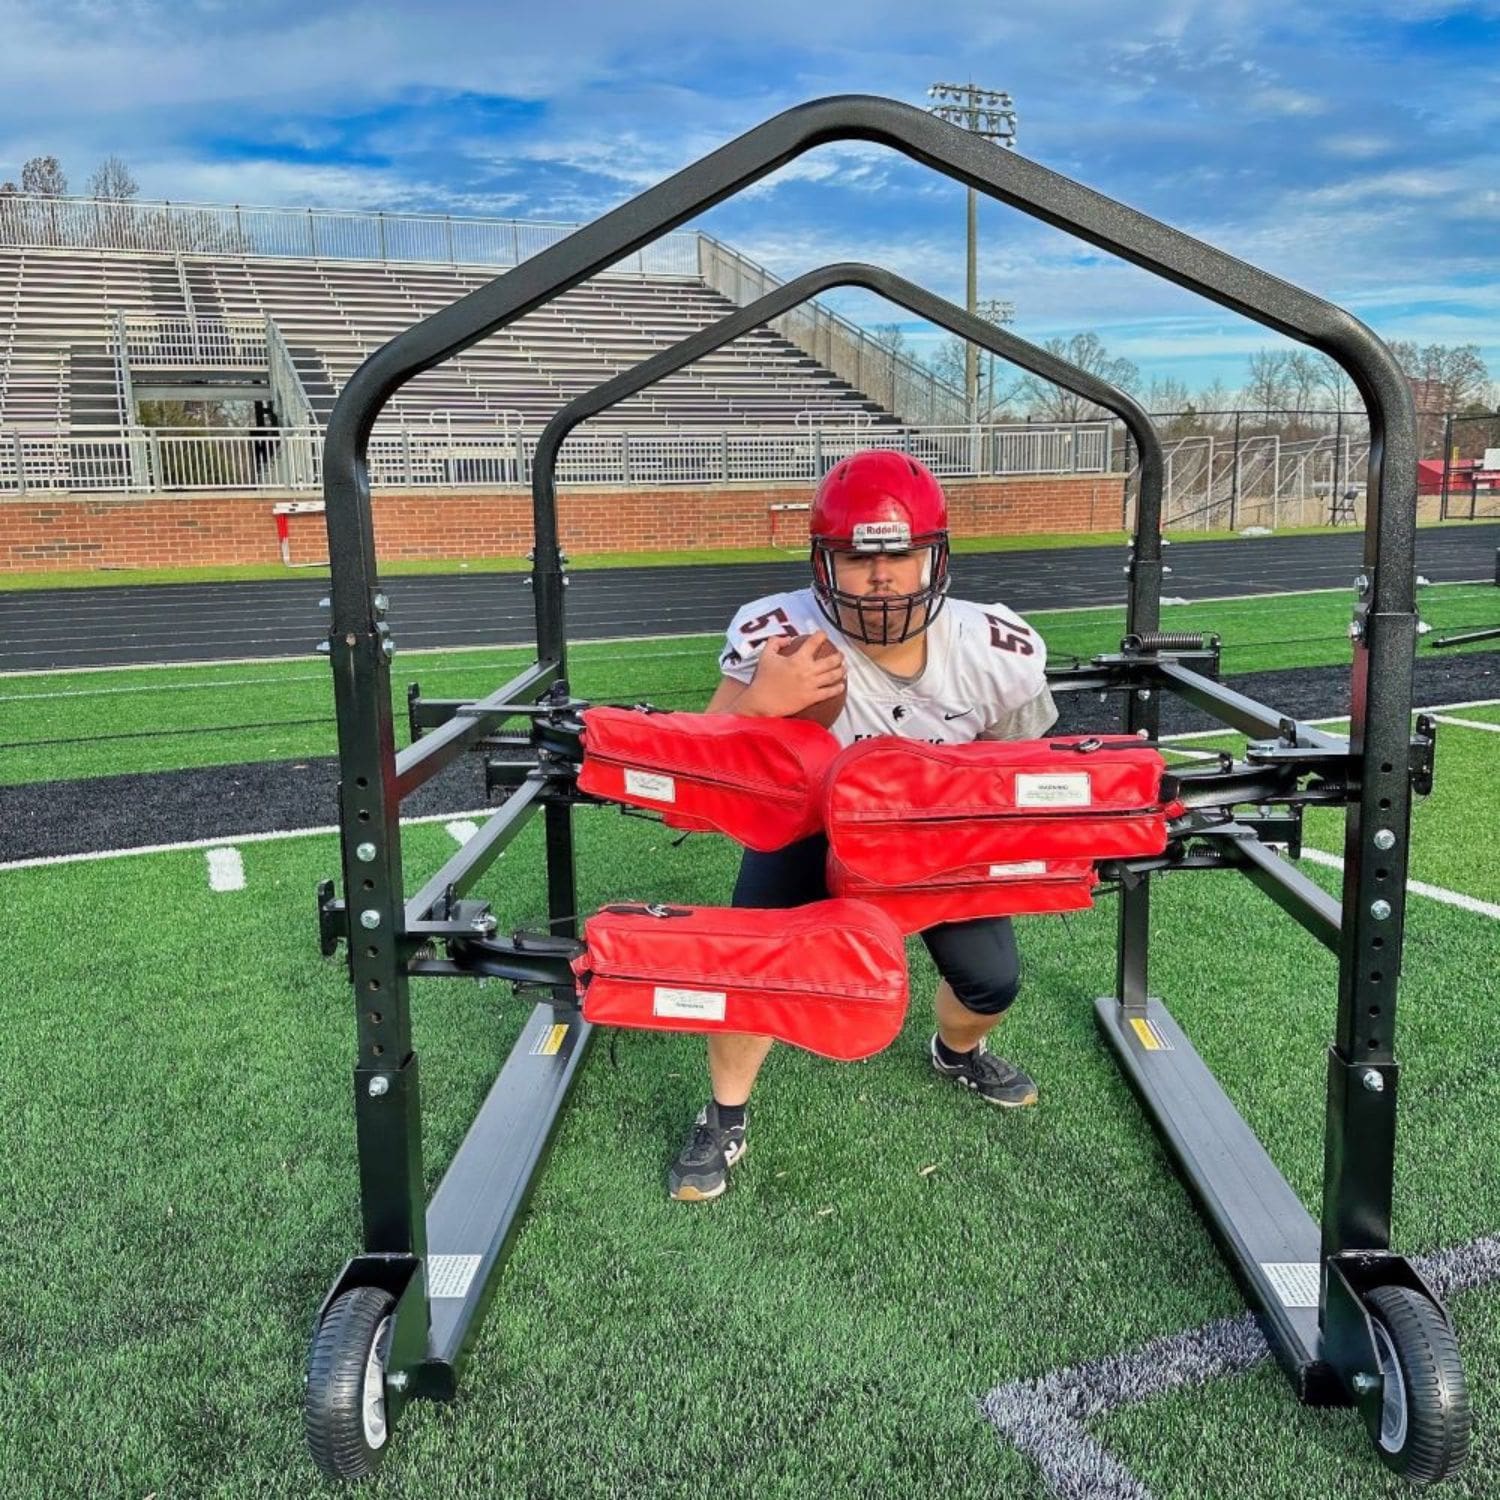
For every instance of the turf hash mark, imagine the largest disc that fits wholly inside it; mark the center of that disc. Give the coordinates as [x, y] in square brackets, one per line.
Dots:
[226, 870]
[1045, 1418]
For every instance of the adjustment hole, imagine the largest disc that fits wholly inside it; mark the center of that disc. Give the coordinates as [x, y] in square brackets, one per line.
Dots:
[1374, 1043]
[364, 816]
[367, 885]
[374, 984]
[379, 1051]
[361, 782]
[1377, 942]
[376, 1018]
[1385, 804]
[1374, 1012]
[1385, 766]
[1381, 873]
[1375, 977]
[372, 952]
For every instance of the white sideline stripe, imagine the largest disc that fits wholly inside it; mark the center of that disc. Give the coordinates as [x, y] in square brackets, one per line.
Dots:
[1467, 723]
[183, 687]
[1436, 709]
[461, 830]
[238, 838]
[484, 812]
[1432, 892]
[314, 658]
[1044, 1417]
[226, 870]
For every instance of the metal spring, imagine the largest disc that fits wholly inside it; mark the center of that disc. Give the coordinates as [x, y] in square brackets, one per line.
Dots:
[1166, 640]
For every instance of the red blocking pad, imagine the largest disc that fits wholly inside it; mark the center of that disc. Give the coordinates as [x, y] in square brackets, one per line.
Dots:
[755, 780]
[829, 977]
[1015, 889]
[898, 812]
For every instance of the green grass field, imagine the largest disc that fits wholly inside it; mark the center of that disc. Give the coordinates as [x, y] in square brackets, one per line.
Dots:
[80, 578]
[177, 1164]
[73, 724]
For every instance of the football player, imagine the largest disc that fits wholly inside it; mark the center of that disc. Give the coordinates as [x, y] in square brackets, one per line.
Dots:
[908, 660]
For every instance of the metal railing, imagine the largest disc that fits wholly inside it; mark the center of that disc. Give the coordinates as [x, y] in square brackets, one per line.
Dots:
[168, 228]
[206, 343]
[893, 381]
[161, 460]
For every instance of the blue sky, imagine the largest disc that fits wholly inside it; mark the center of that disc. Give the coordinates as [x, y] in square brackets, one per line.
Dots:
[1348, 147]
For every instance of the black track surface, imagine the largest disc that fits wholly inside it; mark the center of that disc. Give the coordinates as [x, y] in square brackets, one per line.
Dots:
[206, 622]
[163, 807]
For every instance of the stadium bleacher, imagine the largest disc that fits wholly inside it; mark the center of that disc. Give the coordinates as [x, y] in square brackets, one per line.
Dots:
[60, 371]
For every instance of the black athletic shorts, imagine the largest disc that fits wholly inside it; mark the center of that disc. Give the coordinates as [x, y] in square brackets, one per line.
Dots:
[978, 958]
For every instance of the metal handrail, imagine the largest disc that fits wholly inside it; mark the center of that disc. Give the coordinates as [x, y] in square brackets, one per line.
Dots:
[161, 226]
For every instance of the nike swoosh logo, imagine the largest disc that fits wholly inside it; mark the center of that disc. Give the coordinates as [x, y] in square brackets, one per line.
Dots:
[958, 715]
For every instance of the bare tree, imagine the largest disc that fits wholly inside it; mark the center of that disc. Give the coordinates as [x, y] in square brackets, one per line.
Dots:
[112, 179]
[1335, 388]
[44, 176]
[1269, 386]
[1085, 350]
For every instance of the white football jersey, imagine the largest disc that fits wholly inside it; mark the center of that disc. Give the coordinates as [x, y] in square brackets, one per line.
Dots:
[983, 676]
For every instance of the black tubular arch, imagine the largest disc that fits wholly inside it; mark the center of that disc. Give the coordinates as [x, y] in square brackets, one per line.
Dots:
[959, 154]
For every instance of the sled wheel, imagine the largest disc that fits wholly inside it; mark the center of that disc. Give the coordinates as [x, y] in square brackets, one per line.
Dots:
[344, 1409]
[1425, 1417]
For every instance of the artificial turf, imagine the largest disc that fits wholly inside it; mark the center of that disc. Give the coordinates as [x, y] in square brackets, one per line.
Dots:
[67, 725]
[177, 1165]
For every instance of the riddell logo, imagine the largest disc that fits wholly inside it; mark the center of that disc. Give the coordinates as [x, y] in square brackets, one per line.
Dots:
[898, 713]
[882, 534]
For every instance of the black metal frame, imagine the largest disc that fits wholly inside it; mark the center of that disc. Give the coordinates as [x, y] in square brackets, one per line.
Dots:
[417, 1254]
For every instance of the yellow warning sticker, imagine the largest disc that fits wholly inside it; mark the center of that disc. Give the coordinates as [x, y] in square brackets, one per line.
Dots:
[1148, 1036]
[549, 1043]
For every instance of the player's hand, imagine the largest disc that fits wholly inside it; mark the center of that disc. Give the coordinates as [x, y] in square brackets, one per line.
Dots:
[792, 676]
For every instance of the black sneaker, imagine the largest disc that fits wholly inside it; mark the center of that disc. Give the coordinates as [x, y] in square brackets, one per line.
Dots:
[992, 1078]
[702, 1166]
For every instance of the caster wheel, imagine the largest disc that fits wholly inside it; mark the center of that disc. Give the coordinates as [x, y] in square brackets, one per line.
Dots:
[344, 1409]
[1425, 1418]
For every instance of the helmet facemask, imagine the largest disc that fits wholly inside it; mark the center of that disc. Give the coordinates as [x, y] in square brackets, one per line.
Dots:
[881, 619]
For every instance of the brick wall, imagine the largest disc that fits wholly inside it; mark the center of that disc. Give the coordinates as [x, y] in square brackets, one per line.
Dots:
[80, 532]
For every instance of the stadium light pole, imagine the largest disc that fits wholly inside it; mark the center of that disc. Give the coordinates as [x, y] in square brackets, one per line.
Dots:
[1000, 311]
[993, 115]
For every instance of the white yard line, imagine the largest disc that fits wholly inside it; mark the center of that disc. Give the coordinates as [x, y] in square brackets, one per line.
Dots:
[1420, 887]
[1467, 724]
[237, 838]
[1045, 1418]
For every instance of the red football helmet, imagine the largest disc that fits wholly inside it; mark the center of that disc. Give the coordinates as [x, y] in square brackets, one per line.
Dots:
[880, 501]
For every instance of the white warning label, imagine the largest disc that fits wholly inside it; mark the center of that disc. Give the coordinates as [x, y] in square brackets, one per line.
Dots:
[689, 1005]
[1073, 789]
[450, 1275]
[1294, 1281]
[1025, 867]
[650, 784]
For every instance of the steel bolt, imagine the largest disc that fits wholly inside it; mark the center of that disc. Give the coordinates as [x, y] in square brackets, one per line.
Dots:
[388, 649]
[1144, 694]
[369, 917]
[1384, 839]
[1372, 1081]
[1356, 630]
[1126, 570]
[381, 603]
[1364, 1384]
[379, 1086]
[326, 602]
[486, 922]
[1380, 910]
[1362, 584]
[398, 1380]
[365, 854]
